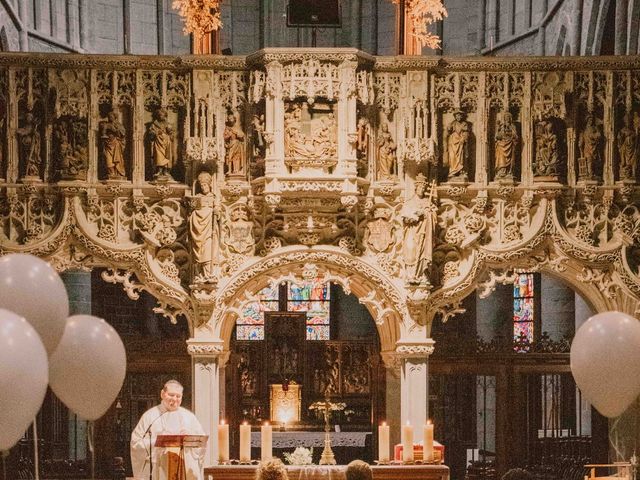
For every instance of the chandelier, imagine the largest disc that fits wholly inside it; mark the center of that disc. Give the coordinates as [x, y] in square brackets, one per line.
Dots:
[200, 16]
[422, 13]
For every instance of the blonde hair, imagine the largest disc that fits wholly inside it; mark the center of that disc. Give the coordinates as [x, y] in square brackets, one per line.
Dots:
[358, 470]
[272, 469]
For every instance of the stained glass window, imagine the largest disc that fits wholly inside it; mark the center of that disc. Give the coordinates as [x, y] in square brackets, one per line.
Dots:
[523, 318]
[251, 325]
[309, 296]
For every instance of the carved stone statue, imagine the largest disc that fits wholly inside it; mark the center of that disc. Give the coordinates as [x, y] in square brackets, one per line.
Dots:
[386, 153]
[234, 146]
[506, 144]
[628, 146]
[419, 217]
[203, 227]
[258, 140]
[589, 145]
[29, 139]
[546, 162]
[362, 140]
[161, 136]
[112, 134]
[457, 146]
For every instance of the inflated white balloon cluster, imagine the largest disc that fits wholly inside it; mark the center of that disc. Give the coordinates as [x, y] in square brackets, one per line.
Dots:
[605, 361]
[81, 357]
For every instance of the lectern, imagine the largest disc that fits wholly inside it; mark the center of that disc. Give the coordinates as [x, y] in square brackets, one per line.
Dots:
[176, 445]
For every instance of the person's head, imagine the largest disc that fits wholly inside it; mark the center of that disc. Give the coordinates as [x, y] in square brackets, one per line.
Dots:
[272, 469]
[171, 395]
[420, 184]
[113, 116]
[458, 115]
[204, 179]
[358, 470]
[517, 474]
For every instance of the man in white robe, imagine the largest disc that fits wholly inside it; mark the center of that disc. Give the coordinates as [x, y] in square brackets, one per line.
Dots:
[168, 418]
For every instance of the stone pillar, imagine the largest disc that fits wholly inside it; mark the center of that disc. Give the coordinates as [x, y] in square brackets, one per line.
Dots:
[393, 400]
[78, 285]
[621, 26]
[207, 359]
[414, 383]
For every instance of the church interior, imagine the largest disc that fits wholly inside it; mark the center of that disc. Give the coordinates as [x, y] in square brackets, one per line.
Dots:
[329, 216]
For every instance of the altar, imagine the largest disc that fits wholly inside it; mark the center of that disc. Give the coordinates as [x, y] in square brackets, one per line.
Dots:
[345, 445]
[313, 439]
[332, 472]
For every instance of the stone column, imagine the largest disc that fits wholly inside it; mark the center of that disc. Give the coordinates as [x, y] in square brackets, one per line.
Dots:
[393, 400]
[621, 26]
[78, 285]
[207, 359]
[414, 383]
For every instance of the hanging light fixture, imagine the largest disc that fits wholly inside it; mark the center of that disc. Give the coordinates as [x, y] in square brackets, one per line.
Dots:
[200, 16]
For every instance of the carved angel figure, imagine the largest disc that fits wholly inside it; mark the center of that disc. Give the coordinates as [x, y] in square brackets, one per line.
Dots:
[506, 143]
[627, 141]
[112, 134]
[203, 227]
[458, 133]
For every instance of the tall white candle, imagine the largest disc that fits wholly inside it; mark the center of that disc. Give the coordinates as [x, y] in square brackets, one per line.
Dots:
[407, 443]
[265, 442]
[245, 443]
[428, 442]
[223, 442]
[383, 443]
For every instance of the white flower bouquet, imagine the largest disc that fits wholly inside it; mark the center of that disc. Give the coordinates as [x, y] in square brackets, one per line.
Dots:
[300, 456]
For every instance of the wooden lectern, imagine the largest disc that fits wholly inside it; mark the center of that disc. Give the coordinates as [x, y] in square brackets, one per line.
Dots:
[175, 445]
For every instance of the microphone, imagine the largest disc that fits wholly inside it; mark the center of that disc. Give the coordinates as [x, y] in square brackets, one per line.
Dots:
[148, 431]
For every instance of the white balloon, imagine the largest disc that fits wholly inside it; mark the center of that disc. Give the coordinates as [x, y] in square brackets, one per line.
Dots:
[31, 288]
[605, 361]
[88, 367]
[24, 373]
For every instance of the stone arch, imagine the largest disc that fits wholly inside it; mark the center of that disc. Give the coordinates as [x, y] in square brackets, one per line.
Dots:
[379, 294]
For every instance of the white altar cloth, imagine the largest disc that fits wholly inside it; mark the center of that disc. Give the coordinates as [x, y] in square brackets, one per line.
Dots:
[312, 439]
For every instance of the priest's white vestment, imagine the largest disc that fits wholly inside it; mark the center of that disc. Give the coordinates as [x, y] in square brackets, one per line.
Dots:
[160, 421]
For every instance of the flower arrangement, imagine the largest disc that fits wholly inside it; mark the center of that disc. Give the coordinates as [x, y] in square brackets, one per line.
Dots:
[199, 16]
[327, 405]
[422, 13]
[300, 456]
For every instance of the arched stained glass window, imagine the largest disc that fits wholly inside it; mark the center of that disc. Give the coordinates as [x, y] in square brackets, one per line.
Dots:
[310, 296]
[523, 313]
[251, 325]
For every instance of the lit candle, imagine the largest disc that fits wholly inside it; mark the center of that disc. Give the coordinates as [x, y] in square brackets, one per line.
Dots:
[428, 441]
[265, 441]
[407, 443]
[383, 443]
[223, 443]
[245, 443]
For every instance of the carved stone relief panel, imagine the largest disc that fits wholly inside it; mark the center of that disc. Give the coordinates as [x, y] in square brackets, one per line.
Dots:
[310, 136]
